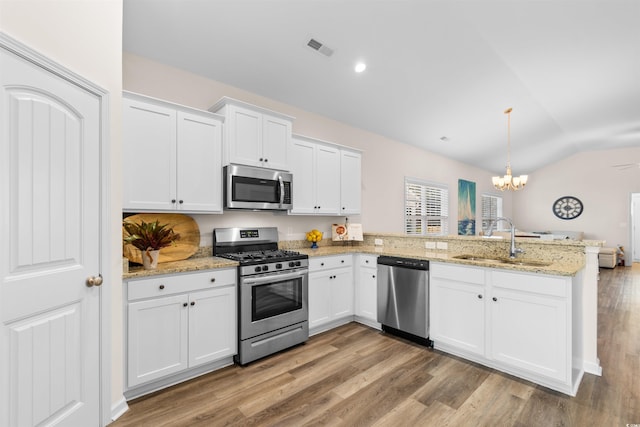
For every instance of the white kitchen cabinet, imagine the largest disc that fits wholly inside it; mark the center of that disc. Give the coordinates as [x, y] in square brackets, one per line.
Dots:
[172, 157]
[457, 307]
[366, 290]
[350, 182]
[316, 171]
[517, 322]
[331, 292]
[530, 323]
[327, 178]
[254, 136]
[179, 322]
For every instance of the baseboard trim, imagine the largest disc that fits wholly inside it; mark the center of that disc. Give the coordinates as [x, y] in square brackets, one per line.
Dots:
[119, 408]
[593, 367]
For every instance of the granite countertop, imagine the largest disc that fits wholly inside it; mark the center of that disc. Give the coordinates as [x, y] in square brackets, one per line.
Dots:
[191, 264]
[555, 268]
[558, 268]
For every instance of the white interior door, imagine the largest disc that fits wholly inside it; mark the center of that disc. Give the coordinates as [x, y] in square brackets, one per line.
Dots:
[635, 226]
[50, 228]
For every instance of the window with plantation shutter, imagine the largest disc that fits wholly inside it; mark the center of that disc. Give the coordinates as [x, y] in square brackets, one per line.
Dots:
[426, 208]
[491, 209]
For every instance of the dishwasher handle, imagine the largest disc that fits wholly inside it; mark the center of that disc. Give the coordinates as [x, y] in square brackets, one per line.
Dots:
[411, 263]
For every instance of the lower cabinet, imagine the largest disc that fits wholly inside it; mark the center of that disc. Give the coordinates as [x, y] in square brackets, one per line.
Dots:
[193, 325]
[366, 290]
[520, 323]
[331, 291]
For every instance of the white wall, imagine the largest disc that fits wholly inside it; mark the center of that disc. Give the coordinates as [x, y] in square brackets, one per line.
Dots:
[85, 37]
[604, 191]
[385, 162]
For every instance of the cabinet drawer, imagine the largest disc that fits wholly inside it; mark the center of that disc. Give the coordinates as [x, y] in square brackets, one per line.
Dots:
[326, 263]
[458, 273]
[534, 283]
[174, 284]
[368, 261]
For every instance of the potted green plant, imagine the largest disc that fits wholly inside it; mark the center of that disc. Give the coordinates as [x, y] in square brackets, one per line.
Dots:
[149, 238]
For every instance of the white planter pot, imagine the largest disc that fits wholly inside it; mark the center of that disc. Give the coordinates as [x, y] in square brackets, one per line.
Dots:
[150, 259]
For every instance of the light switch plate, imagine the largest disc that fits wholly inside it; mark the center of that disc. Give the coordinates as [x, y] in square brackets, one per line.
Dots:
[378, 242]
[442, 245]
[430, 245]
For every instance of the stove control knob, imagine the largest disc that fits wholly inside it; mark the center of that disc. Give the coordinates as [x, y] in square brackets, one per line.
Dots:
[297, 263]
[258, 269]
[292, 264]
[278, 265]
[265, 267]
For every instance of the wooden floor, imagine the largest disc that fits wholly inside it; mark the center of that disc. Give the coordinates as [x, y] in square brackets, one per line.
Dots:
[357, 376]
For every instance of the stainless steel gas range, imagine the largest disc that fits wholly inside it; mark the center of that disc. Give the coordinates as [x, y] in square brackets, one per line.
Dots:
[273, 287]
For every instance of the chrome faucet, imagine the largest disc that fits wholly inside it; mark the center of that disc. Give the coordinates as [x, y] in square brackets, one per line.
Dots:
[513, 251]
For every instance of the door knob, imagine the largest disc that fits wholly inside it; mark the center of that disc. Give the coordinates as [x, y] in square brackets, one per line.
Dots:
[94, 280]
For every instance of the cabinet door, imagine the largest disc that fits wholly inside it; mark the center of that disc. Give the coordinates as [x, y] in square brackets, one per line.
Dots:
[350, 181]
[244, 132]
[302, 166]
[458, 315]
[319, 299]
[148, 156]
[199, 171]
[530, 332]
[156, 338]
[367, 294]
[276, 136]
[212, 325]
[342, 291]
[327, 180]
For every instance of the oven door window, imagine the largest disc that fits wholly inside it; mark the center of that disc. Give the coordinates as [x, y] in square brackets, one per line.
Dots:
[255, 190]
[277, 298]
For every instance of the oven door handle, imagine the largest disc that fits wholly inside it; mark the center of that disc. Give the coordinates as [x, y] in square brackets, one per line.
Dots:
[271, 278]
[281, 190]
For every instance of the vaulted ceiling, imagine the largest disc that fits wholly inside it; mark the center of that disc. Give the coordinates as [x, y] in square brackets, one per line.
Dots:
[439, 73]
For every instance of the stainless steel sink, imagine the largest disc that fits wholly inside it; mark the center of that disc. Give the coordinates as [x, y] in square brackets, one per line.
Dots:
[512, 261]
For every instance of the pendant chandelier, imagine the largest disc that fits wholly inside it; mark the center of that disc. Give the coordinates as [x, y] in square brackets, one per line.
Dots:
[508, 181]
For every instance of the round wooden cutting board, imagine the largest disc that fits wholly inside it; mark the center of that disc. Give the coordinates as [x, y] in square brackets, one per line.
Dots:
[182, 248]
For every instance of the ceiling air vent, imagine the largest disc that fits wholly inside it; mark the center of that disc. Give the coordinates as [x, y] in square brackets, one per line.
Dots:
[316, 45]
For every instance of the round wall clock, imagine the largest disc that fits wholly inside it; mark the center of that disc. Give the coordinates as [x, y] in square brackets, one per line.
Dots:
[567, 207]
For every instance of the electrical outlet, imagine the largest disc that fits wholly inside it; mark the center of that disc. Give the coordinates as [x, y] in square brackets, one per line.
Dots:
[442, 245]
[378, 242]
[429, 245]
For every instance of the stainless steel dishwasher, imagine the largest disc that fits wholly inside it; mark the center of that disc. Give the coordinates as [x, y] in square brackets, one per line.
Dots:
[403, 297]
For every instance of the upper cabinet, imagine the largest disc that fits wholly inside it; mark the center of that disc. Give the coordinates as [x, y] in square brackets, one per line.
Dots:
[254, 136]
[172, 157]
[326, 178]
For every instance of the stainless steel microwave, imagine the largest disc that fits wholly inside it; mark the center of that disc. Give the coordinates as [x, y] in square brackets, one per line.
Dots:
[254, 188]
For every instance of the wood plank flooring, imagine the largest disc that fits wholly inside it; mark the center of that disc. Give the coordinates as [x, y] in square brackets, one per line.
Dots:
[357, 376]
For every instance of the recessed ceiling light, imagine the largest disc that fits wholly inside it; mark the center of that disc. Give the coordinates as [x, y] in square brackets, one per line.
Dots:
[360, 67]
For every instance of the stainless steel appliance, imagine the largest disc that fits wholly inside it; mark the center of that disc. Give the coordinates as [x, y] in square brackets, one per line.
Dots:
[273, 288]
[252, 188]
[403, 297]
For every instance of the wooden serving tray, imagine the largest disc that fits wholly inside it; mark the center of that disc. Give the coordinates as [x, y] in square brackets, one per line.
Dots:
[182, 248]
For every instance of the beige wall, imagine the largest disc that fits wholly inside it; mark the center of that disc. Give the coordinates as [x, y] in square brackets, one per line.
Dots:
[605, 192]
[85, 37]
[385, 162]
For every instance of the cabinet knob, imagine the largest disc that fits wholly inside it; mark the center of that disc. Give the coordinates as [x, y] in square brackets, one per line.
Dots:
[173, 200]
[266, 160]
[181, 201]
[374, 276]
[343, 208]
[479, 296]
[213, 279]
[322, 264]
[494, 298]
[366, 261]
[161, 287]
[193, 303]
[184, 304]
[261, 159]
[342, 261]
